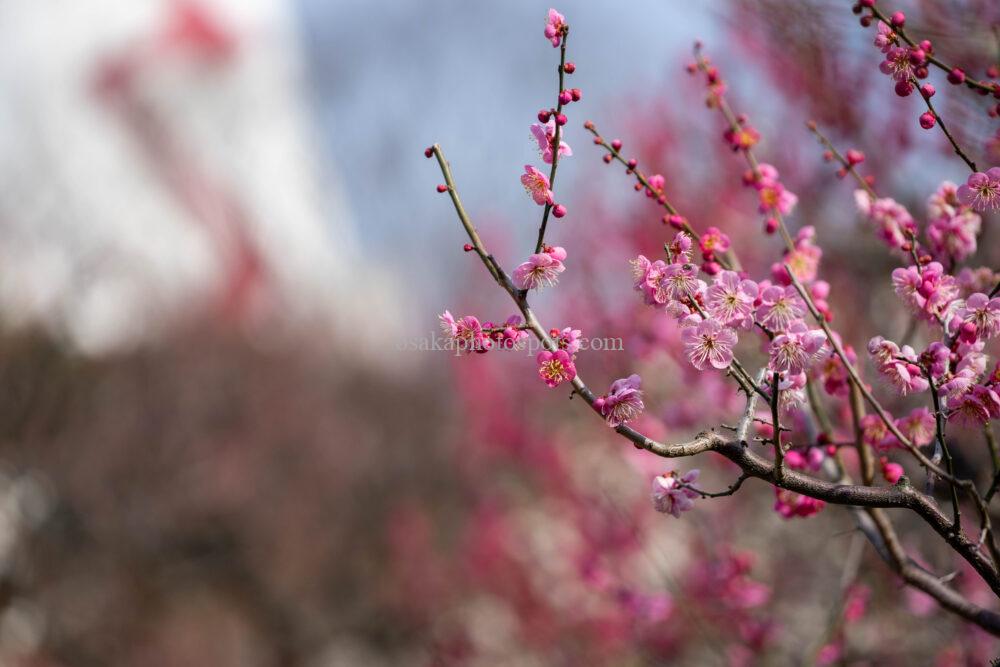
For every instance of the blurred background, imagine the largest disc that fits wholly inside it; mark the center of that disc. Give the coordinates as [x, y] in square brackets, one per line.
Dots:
[221, 253]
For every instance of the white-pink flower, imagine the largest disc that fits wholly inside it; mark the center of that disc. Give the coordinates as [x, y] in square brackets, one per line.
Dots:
[982, 190]
[670, 492]
[545, 135]
[709, 343]
[537, 185]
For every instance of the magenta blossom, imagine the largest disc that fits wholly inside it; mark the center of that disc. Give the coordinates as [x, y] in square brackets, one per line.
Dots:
[954, 237]
[982, 190]
[885, 38]
[897, 64]
[555, 367]
[537, 185]
[541, 269]
[555, 25]
[891, 471]
[709, 343]
[671, 494]
[622, 403]
[678, 281]
[875, 433]
[796, 349]
[680, 248]
[545, 135]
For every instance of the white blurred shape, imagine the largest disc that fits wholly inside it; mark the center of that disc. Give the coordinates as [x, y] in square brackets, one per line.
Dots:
[158, 162]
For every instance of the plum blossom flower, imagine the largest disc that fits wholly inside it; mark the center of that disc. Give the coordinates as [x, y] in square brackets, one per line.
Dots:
[918, 426]
[885, 38]
[833, 373]
[975, 407]
[568, 339]
[967, 372]
[709, 343]
[897, 64]
[680, 248]
[981, 191]
[774, 198]
[555, 25]
[466, 331]
[671, 494]
[545, 135]
[893, 223]
[713, 241]
[741, 138]
[537, 185]
[677, 281]
[541, 270]
[983, 313]
[803, 260]
[448, 324]
[796, 349]
[906, 377]
[779, 307]
[954, 237]
[622, 403]
[928, 291]
[555, 367]
[730, 300]
[876, 434]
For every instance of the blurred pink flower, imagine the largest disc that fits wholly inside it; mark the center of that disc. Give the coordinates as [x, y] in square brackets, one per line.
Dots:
[623, 402]
[670, 496]
[545, 135]
[554, 26]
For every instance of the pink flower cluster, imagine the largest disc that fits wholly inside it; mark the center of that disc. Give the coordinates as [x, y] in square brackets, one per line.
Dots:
[952, 230]
[774, 198]
[469, 335]
[710, 316]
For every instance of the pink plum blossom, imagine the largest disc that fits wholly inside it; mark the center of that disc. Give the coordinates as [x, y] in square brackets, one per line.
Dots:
[541, 270]
[670, 493]
[929, 290]
[555, 24]
[677, 282]
[983, 313]
[545, 135]
[537, 185]
[893, 223]
[918, 426]
[568, 339]
[466, 331]
[796, 349]
[709, 343]
[713, 241]
[982, 190]
[779, 307]
[622, 403]
[555, 367]
[730, 299]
